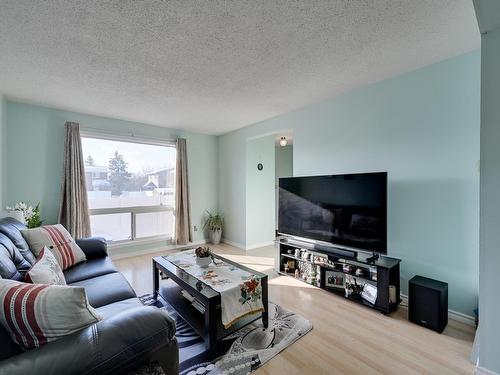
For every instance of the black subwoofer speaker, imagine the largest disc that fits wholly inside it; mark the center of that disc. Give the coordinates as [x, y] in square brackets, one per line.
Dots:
[428, 303]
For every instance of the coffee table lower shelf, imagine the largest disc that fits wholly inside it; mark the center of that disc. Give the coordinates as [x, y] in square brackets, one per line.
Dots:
[208, 324]
[201, 323]
[171, 293]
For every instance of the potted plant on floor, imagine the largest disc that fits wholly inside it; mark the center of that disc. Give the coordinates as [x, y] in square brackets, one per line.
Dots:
[214, 223]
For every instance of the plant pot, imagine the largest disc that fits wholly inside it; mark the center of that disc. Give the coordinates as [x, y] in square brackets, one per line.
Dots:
[203, 262]
[18, 215]
[215, 236]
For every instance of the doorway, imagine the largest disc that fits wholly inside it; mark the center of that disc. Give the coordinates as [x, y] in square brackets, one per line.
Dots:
[266, 161]
[283, 157]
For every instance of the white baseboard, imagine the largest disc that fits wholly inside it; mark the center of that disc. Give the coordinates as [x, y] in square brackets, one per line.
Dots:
[461, 317]
[256, 246]
[244, 247]
[235, 244]
[484, 371]
[129, 254]
[452, 314]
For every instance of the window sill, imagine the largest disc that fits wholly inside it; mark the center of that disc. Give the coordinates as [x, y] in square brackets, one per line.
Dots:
[130, 249]
[127, 243]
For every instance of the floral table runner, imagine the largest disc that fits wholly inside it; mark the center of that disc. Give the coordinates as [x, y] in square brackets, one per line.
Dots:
[240, 291]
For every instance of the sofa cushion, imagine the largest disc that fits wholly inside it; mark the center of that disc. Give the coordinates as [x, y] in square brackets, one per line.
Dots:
[8, 348]
[11, 228]
[93, 247]
[58, 240]
[46, 270]
[89, 269]
[12, 263]
[106, 289]
[117, 345]
[112, 309]
[35, 314]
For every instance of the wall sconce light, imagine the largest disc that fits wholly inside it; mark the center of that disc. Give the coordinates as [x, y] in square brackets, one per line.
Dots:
[283, 141]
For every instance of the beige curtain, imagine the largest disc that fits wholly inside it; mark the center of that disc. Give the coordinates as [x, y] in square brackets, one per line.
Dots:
[182, 218]
[73, 210]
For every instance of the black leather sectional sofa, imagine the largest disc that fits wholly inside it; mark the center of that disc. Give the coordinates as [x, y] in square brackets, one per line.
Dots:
[129, 335]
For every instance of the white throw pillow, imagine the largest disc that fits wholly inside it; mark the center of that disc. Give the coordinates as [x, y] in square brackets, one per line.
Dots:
[46, 270]
[58, 240]
[35, 314]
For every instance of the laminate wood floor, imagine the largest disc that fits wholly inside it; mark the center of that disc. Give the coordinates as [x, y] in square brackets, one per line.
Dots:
[347, 338]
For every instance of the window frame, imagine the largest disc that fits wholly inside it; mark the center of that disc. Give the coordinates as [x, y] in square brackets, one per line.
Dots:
[133, 210]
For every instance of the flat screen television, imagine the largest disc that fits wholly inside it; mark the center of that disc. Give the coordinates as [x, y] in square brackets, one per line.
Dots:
[349, 210]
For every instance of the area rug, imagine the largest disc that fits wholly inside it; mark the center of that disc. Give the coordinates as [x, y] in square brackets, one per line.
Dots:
[242, 352]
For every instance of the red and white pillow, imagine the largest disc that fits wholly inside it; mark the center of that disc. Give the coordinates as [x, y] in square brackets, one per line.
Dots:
[58, 240]
[46, 270]
[35, 314]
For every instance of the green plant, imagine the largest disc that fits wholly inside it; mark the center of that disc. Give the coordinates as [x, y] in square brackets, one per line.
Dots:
[31, 215]
[213, 221]
[203, 252]
[35, 220]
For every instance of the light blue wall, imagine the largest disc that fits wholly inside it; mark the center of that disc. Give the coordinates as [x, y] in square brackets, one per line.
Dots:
[35, 138]
[422, 128]
[489, 256]
[260, 199]
[232, 189]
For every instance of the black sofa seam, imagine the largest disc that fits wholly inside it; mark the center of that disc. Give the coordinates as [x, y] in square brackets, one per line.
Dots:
[93, 277]
[127, 348]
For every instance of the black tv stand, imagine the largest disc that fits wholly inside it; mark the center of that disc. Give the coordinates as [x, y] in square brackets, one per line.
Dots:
[344, 274]
[332, 250]
[373, 258]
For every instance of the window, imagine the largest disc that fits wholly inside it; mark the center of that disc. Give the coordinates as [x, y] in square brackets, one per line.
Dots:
[130, 188]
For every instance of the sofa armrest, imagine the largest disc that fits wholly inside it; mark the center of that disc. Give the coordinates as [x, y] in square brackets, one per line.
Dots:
[109, 346]
[93, 247]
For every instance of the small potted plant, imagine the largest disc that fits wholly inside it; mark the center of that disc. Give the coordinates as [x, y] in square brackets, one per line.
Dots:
[214, 223]
[27, 214]
[203, 256]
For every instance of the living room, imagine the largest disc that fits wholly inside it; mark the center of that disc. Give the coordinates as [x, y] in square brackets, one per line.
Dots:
[174, 143]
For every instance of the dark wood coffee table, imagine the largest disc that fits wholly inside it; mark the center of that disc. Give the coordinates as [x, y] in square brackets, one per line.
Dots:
[208, 325]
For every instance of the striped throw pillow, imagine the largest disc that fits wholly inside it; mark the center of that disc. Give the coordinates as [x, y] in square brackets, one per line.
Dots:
[35, 314]
[46, 270]
[58, 240]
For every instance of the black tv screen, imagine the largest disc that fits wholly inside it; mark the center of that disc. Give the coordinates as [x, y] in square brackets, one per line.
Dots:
[348, 210]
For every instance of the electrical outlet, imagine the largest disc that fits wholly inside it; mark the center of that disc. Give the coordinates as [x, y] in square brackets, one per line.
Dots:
[195, 228]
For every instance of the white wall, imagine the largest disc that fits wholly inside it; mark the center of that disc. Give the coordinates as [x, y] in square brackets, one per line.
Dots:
[488, 13]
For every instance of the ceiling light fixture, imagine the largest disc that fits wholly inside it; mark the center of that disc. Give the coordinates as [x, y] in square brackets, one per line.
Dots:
[283, 142]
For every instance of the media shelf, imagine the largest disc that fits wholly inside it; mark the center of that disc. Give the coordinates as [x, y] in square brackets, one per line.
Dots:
[330, 271]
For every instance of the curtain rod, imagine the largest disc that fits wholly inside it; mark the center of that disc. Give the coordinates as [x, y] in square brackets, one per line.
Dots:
[94, 132]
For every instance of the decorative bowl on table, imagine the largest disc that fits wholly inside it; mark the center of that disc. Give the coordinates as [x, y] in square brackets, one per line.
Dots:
[203, 262]
[203, 256]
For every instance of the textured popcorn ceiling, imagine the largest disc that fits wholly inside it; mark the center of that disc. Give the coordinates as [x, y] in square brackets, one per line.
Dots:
[215, 66]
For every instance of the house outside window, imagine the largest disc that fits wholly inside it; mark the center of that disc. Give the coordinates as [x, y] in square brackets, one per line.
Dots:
[130, 187]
